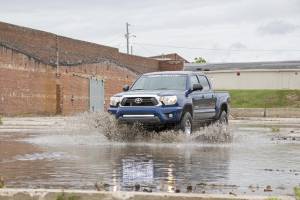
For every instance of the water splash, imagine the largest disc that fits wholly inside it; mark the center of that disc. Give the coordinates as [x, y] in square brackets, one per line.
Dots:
[114, 131]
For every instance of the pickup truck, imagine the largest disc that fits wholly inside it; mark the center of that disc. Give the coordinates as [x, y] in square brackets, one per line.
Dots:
[180, 99]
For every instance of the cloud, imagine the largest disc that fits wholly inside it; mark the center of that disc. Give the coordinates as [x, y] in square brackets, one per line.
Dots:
[238, 45]
[278, 27]
[202, 24]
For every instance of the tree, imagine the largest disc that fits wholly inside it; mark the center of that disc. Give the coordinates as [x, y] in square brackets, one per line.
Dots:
[200, 60]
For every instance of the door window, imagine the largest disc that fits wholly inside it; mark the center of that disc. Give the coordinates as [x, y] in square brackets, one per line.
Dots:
[204, 82]
[194, 80]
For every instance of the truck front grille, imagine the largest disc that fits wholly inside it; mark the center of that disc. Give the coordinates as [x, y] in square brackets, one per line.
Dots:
[139, 101]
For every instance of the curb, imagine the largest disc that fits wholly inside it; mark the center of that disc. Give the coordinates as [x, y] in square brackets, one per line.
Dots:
[54, 194]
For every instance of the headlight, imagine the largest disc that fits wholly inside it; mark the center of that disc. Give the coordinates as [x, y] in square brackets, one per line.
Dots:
[168, 100]
[115, 100]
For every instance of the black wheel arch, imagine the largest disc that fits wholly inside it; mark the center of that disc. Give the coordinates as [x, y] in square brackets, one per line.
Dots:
[223, 107]
[187, 108]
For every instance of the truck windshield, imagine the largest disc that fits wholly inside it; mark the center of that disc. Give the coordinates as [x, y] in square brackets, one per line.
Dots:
[160, 82]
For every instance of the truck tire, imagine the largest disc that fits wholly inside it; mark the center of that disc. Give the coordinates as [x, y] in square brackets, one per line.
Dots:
[223, 119]
[186, 124]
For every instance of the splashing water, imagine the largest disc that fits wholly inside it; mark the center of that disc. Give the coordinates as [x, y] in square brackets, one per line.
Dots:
[114, 131]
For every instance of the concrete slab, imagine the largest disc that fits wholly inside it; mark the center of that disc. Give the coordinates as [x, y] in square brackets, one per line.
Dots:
[54, 194]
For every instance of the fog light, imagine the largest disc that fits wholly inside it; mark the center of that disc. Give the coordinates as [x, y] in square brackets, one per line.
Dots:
[170, 115]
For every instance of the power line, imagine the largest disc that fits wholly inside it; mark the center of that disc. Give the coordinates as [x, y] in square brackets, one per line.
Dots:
[217, 49]
[114, 39]
[146, 49]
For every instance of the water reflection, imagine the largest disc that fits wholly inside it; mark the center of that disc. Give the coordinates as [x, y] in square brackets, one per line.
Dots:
[137, 171]
[167, 168]
[163, 168]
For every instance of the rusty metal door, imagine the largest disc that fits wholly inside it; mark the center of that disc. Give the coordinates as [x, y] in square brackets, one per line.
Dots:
[96, 95]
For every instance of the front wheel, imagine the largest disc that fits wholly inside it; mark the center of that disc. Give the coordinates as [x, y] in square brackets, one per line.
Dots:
[186, 124]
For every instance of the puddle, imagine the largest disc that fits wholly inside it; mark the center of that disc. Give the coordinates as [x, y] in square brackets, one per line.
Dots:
[90, 150]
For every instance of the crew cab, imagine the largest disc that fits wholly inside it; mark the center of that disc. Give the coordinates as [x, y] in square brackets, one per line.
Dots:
[180, 99]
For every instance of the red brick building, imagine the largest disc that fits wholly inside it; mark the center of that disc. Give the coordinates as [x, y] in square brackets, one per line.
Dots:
[45, 74]
[170, 57]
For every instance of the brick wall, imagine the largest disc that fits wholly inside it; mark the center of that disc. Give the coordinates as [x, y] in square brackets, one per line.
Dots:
[28, 87]
[138, 64]
[27, 92]
[13, 60]
[170, 65]
[41, 46]
[114, 76]
[74, 92]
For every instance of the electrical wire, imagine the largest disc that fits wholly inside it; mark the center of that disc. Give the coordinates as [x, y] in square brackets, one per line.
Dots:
[219, 49]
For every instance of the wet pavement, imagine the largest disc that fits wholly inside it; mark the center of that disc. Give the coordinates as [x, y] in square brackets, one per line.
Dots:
[69, 153]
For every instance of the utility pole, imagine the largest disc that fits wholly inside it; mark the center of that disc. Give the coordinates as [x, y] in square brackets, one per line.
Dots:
[127, 35]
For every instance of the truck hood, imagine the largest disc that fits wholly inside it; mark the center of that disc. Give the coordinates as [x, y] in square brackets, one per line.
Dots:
[152, 92]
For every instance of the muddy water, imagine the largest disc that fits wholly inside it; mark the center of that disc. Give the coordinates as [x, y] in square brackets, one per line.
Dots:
[71, 153]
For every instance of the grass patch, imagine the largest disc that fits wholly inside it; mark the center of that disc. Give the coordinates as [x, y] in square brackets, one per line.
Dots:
[2, 184]
[1, 122]
[297, 193]
[275, 129]
[265, 98]
[63, 196]
[273, 198]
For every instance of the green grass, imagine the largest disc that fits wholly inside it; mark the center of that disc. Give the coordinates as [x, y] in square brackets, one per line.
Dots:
[2, 184]
[1, 122]
[265, 98]
[297, 193]
[275, 129]
[273, 198]
[63, 196]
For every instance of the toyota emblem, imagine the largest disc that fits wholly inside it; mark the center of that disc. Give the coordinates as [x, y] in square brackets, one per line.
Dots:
[138, 100]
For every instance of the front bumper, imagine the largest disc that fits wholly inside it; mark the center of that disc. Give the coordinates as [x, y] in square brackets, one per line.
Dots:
[147, 114]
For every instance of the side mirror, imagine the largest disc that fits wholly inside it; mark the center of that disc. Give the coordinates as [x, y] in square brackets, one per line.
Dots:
[197, 87]
[125, 88]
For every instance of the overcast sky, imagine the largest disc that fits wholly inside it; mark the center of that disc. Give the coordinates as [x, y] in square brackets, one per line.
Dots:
[218, 30]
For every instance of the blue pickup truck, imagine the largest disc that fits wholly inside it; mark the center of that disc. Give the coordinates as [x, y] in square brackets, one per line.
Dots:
[180, 99]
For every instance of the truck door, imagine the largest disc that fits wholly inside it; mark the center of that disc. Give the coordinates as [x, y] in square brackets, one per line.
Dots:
[196, 98]
[208, 99]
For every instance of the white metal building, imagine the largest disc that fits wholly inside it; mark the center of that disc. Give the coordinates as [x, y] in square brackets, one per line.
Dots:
[255, 75]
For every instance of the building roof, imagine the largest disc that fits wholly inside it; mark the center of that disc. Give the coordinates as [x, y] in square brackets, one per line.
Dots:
[242, 66]
[170, 56]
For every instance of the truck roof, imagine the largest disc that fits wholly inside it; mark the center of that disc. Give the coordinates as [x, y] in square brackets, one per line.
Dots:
[174, 72]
